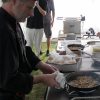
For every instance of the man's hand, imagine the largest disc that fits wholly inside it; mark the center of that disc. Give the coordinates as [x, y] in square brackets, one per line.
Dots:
[46, 68]
[42, 11]
[37, 3]
[47, 79]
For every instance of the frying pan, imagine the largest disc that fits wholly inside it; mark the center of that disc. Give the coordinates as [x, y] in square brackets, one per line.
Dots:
[93, 42]
[80, 46]
[72, 76]
[74, 48]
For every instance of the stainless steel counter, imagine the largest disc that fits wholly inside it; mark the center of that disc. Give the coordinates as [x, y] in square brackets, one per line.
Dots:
[87, 65]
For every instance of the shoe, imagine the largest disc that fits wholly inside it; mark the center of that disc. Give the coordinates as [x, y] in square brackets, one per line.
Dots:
[47, 53]
[41, 52]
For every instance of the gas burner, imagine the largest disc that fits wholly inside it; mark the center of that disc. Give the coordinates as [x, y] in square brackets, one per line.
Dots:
[83, 95]
[70, 91]
[87, 98]
[76, 95]
[87, 91]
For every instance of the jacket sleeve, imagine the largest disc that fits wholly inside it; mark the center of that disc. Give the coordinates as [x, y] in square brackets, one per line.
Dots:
[32, 58]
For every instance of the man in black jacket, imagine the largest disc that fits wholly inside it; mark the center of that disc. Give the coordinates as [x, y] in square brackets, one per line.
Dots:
[17, 60]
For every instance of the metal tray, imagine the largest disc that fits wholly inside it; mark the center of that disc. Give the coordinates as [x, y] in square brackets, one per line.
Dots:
[87, 98]
[68, 67]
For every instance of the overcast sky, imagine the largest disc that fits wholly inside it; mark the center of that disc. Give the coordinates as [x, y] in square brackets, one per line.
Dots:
[74, 8]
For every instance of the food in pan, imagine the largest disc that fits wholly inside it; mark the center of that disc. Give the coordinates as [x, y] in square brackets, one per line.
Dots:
[75, 46]
[62, 52]
[83, 82]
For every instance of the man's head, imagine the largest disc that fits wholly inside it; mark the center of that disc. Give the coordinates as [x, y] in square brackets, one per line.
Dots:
[20, 9]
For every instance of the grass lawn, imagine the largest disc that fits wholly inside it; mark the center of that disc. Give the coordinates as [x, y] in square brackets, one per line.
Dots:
[38, 90]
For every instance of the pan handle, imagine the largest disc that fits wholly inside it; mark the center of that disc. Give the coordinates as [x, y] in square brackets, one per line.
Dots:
[66, 85]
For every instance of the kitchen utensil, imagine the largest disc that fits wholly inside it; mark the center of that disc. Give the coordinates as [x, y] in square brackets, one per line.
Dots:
[95, 56]
[83, 52]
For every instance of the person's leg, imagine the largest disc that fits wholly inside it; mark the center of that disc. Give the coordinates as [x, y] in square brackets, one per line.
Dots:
[29, 37]
[48, 46]
[41, 52]
[48, 43]
[37, 40]
[48, 33]
[41, 36]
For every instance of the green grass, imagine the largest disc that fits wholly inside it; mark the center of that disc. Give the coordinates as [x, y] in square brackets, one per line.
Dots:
[38, 90]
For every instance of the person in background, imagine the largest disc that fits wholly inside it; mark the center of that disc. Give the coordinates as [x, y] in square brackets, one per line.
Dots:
[17, 60]
[34, 32]
[48, 21]
[98, 34]
[92, 31]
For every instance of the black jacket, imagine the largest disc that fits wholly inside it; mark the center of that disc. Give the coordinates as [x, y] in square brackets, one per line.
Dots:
[16, 60]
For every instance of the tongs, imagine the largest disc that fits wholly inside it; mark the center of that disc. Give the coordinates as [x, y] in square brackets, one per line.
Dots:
[85, 52]
[91, 56]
